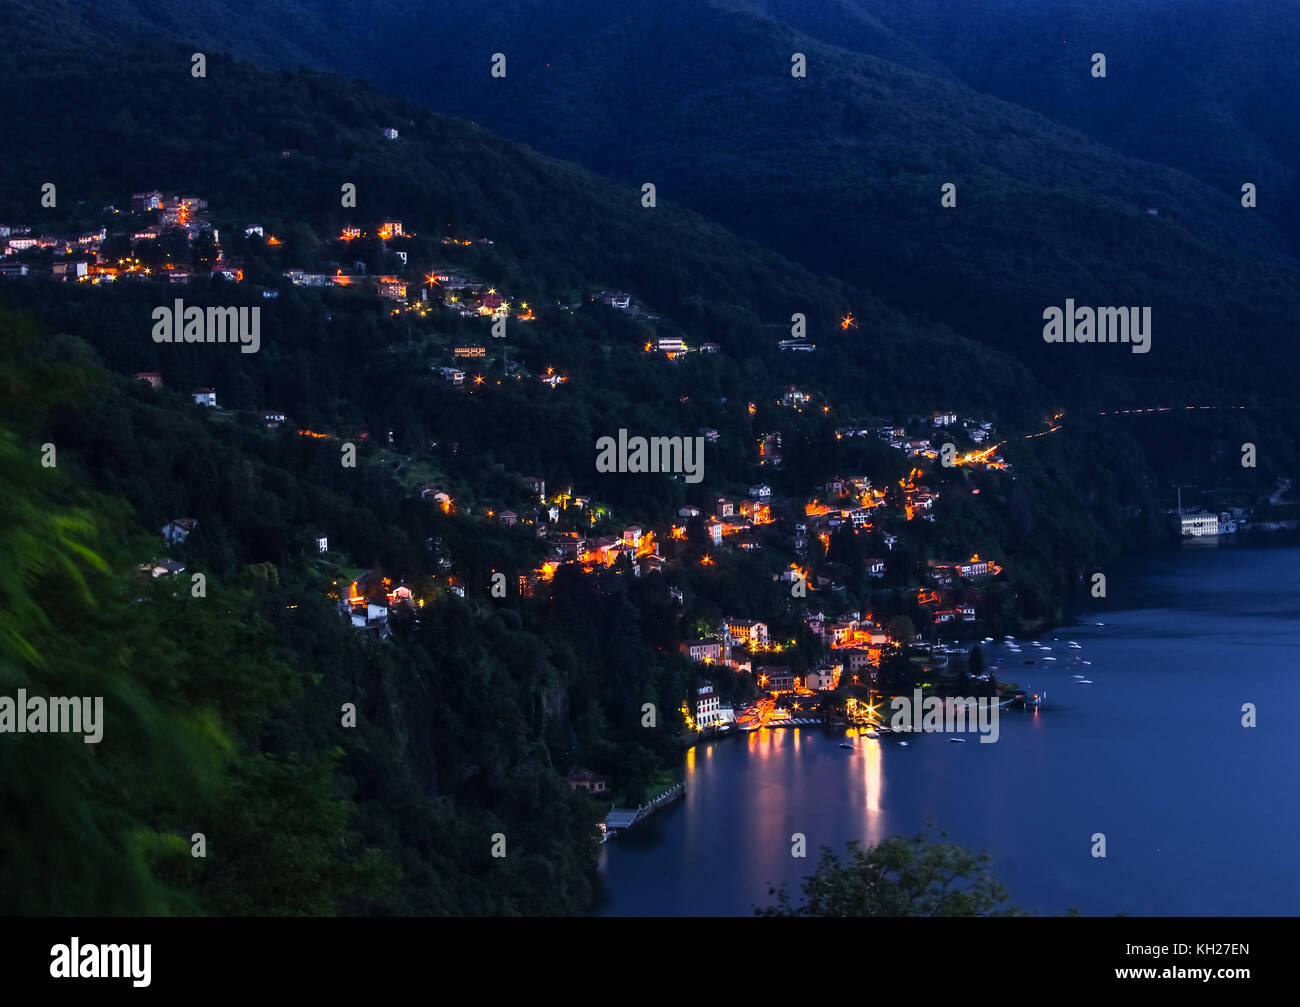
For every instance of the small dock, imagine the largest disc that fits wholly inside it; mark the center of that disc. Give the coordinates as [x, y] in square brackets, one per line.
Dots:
[619, 819]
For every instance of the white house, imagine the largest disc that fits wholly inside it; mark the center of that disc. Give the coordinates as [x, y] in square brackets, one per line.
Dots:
[747, 630]
[390, 134]
[706, 706]
[1196, 525]
[177, 531]
[204, 397]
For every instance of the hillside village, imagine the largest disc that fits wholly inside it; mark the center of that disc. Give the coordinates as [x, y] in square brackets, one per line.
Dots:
[170, 238]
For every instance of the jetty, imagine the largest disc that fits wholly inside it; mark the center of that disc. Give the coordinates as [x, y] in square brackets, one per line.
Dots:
[619, 819]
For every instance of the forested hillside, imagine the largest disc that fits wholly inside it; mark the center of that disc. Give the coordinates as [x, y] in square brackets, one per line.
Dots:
[841, 171]
[470, 715]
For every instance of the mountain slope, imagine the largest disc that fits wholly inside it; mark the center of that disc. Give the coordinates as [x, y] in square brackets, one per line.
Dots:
[842, 171]
[1205, 87]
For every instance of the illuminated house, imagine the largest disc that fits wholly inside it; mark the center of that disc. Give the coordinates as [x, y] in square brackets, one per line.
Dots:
[142, 202]
[391, 288]
[152, 377]
[708, 651]
[1196, 525]
[706, 706]
[68, 270]
[536, 486]
[945, 573]
[823, 679]
[204, 397]
[390, 229]
[493, 305]
[748, 631]
[775, 678]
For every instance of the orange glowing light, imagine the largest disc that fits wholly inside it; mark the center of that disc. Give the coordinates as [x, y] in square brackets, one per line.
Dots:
[848, 322]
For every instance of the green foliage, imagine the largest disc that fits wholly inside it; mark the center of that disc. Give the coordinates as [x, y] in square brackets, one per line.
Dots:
[898, 876]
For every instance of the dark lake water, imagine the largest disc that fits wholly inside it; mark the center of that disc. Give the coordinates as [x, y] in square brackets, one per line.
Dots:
[1201, 815]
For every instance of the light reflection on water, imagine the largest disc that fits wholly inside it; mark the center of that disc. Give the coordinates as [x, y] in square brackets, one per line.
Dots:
[1152, 754]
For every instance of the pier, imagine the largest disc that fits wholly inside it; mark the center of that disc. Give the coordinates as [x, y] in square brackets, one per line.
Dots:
[619, 819]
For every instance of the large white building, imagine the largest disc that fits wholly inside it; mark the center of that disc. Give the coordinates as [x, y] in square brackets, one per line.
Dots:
[747, 631]
[707, 713]
[1196, 525]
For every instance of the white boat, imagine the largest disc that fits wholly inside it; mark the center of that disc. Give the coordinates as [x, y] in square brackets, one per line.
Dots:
[846, 744]
[957, 741]
[1075, 646]
[903, 743]
[1076, 676]
[988, 639]
[1049, 659]
[1099, 624]
[1008, 637]
[1087, 662]
[1085, 681]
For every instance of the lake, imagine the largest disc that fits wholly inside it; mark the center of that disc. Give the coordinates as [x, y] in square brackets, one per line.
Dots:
[1200, 814]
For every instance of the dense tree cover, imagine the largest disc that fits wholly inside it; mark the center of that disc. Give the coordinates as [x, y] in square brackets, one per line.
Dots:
[841, 170]
[469, 717]
[1199, 86]
[899, 876]
[223, 712]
